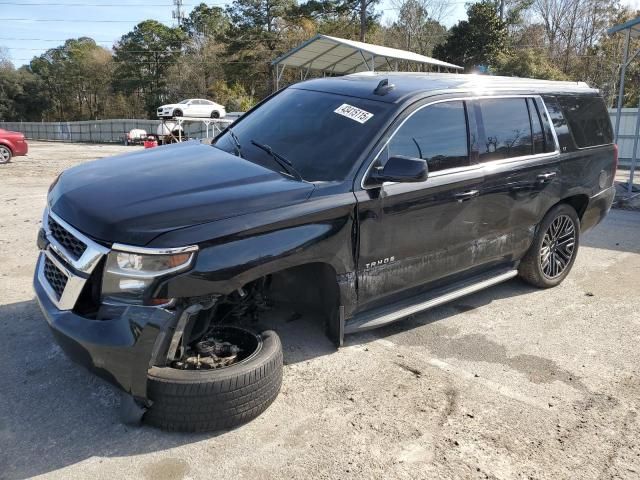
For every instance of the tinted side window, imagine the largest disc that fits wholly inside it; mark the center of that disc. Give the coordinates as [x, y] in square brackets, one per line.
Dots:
[506, 126]
[536, 128]
[549, 140]
[559, 124]
[437, 133]
[588, 119]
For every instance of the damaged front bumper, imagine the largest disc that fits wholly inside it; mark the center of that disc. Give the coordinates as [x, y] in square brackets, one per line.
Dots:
[120, 349]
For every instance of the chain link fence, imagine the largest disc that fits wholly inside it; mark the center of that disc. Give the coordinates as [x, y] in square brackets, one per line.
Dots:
[110, 131]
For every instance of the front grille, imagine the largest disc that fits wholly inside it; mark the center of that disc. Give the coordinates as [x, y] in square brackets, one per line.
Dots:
[74, 246]
[55, 277]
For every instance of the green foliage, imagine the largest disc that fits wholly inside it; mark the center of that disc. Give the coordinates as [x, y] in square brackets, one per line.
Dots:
[204, 21]
[340, 17]
[259, 20]
[527, 63]
[76, 77]
[226, 54]
[234, 97]
[143, 57]
[10, 89]
[476, 41]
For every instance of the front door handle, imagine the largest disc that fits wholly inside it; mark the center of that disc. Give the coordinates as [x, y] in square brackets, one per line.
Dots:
[547, 177]
[465, 196]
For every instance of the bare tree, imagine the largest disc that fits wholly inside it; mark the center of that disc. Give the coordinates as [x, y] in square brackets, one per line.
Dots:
[417, 27]
[573, 27]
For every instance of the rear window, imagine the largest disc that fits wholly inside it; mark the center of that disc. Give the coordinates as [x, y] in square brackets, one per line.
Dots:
[588, 120]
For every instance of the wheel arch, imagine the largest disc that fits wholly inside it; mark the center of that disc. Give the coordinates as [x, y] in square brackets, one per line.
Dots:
[8, 145]
[313, 286]
[579, 203]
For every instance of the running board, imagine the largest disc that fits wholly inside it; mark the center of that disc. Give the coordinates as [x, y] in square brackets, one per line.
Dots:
[399, 310]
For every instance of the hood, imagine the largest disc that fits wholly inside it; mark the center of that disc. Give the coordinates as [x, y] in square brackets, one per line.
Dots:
[172, 105]
[133, 198]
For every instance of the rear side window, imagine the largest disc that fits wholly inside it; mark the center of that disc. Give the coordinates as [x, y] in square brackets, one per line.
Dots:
[560, 124]
[505, 128]
[536, 127]
[437, 134]
[588, 119]
[549, 140]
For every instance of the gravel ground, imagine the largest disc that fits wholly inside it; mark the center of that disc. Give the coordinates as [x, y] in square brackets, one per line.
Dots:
[508, 383]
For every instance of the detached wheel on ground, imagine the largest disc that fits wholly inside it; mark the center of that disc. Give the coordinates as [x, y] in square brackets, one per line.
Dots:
[5, 154]
[220, 397]
[554, 248]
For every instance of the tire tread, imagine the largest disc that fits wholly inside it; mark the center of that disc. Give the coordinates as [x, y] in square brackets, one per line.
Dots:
[221, 399]
[529, 269]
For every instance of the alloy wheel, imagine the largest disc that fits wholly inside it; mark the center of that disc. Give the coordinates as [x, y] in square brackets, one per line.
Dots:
[5, 154]
[558, 246]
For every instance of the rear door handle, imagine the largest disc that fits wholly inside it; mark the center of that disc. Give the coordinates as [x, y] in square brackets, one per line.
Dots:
[547, 177]
[465, 196]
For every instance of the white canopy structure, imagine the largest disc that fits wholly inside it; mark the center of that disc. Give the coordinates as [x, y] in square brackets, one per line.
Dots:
[338, 56]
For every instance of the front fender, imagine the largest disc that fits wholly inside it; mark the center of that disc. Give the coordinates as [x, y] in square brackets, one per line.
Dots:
[226, 264]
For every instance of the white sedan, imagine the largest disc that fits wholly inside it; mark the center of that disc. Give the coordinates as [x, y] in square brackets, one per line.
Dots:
[193, 107]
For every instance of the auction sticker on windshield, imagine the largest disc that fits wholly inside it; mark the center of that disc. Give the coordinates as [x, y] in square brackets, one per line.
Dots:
[354, 113]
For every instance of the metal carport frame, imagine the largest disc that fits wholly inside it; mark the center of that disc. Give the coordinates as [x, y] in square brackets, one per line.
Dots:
[339, 56]
[632, 29]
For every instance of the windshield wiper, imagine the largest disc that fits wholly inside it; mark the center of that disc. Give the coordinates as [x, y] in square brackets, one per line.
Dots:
[280, 160]
[236, 141]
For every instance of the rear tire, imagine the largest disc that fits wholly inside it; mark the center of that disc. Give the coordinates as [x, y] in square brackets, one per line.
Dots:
[207, 400]
[554, 249]
[5, 154]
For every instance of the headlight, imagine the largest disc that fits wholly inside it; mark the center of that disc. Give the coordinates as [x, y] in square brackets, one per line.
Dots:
[130, 275]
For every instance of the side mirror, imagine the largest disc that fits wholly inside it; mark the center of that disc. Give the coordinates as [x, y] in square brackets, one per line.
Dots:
[402, 170]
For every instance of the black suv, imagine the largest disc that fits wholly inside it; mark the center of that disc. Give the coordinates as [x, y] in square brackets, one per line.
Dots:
[366, 198]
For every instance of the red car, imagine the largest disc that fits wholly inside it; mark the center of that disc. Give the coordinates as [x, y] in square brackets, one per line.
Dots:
[12, 144]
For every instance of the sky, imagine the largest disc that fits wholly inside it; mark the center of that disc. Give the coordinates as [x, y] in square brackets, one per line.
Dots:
[30, 27]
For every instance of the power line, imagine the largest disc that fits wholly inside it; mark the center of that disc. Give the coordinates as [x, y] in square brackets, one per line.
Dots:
[50, 39]
[75, 4]
[66, 20]
[88, 4]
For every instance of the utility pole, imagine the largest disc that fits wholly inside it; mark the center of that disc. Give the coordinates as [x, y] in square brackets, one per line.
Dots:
[502, 10]
[363, 19]
[178, 14]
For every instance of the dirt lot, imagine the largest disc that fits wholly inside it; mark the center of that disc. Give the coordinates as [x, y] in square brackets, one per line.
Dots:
[508, 383]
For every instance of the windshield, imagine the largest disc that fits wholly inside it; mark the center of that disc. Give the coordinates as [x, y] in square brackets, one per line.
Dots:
[304, 127]
[185, 101]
